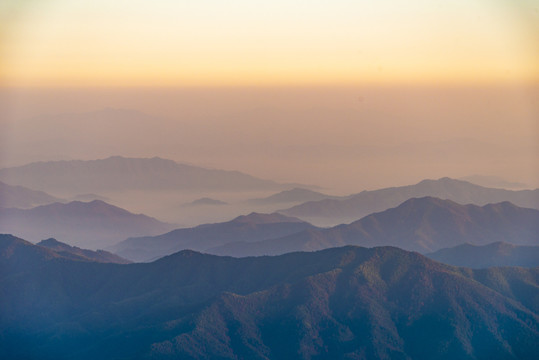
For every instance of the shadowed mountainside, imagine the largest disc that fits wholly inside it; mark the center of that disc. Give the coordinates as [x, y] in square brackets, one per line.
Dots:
[331, 212]
[18, 255]
[419, 224]
[92, 225]
[248, 228]
[68, 251]
[495, 254]
[349, 302]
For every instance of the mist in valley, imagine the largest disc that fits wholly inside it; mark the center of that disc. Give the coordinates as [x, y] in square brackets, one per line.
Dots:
[343, 139]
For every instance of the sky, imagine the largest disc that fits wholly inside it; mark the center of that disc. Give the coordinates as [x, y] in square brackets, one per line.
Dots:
[245, 42]
[344, 94]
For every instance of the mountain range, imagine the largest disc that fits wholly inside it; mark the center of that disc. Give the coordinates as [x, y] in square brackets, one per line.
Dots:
[120, 173]
[23, 198]
[419, 224]
[77, 253]
[92, 225]
[205, 202]
[341, 303]
[494, 254]
[290, 196]
[493, 182]
[330, 212]
[248, 228]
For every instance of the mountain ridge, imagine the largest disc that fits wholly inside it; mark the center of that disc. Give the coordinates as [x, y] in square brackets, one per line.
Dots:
[93, 224]
[330, 212]
[489, 255]
[292, 195]
[120, 173]
[251, 227]
[67, 250]
[22, 197]
[418, 224]
[348, 302]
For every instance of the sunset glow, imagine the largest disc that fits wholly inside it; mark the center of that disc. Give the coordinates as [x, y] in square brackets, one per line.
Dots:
[101, 43]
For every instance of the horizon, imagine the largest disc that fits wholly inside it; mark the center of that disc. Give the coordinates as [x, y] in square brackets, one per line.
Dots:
[345, 138]
[476, 179]
[348, 95]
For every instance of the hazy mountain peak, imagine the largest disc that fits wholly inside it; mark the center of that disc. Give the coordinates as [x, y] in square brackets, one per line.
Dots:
[95, 224]
[296, 194]
[249, 228]
[117, 173]
[427, 200]
[494, 181]
[259, 218]
[331, 212]
[94, 206]
[53, 243]
[22, 197]
[443, 181]
[419, 224]
[121, 158]
[205, 201]
[417, 205]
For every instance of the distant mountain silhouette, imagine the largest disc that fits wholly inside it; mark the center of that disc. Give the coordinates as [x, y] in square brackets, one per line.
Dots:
[120, 173]
[92, 225]
[68, 251]
[493, 182]
[333, 211]
[23, 198]
[248, 228]
[293, 195]
[205, 202]
[343, 303]
[89, 197]
[419, 224]
[495, 254]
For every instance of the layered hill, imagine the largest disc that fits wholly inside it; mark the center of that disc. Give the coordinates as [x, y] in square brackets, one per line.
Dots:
[18, 255]
[291, 196]
[205, 202]
[247, 228]
[23, 198]
[330, 212]
[343, 303]
[493, 182]
[419, 224]
[68, 251]
[495, 254]
[120, 173]
[92, 225]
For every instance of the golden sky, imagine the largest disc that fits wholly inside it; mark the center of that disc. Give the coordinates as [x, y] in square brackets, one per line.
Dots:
[241, 42]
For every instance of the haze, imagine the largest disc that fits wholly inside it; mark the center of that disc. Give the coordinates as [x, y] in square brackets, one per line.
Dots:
[345, 139]
[348, 96]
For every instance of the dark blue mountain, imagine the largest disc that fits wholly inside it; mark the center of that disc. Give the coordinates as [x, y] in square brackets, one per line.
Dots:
[341, 303]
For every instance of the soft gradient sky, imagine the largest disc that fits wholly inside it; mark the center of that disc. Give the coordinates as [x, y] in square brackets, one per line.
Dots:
[246, 42]
[345, 94]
